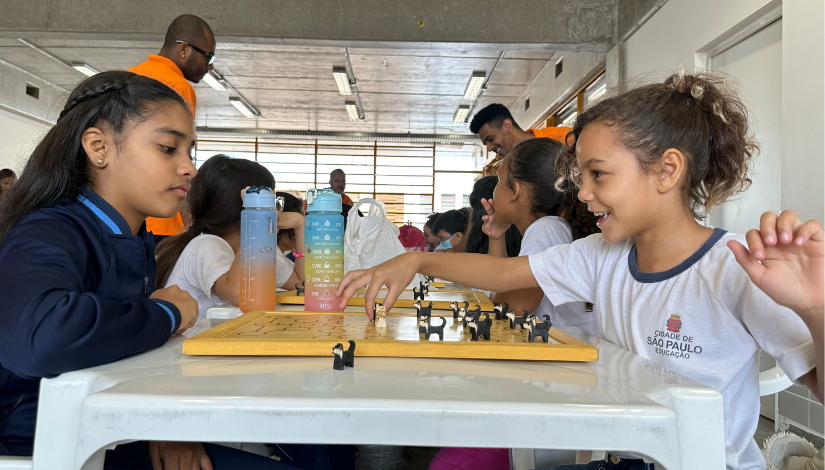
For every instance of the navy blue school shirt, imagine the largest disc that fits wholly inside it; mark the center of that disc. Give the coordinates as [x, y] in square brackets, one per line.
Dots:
[74, 293]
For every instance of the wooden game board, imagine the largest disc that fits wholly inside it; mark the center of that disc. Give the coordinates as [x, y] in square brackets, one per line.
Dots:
[315, 333]
[441, 299]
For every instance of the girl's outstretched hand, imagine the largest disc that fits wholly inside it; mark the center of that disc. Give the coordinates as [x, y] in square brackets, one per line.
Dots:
[491, 227]
[791, 256]
[396, 274]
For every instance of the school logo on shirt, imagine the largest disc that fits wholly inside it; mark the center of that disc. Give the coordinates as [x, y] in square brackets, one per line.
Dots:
[674, 323]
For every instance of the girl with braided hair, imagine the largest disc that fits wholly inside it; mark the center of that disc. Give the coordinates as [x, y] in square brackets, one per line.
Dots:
[649, 163]
[77, 267]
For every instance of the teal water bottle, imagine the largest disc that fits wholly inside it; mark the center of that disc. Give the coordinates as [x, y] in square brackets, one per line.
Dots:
[259, 240]
[324, 259]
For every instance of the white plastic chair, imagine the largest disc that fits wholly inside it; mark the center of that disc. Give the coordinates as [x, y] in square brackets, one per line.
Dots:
[771, 381]
[15, 463]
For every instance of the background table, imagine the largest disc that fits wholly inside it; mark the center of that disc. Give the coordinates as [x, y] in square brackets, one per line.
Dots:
[621, 402]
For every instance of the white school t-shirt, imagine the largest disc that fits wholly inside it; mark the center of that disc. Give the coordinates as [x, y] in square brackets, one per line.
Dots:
[704, 319]
[204, 260]
[540, 235]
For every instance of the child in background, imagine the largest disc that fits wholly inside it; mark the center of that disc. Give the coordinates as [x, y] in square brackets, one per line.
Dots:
[649, 163]
[429, 234]
[524, 200]
[7, 180]
[450, 228]
[476, 239]
[77, 267]
[286, 236]
[202, 260]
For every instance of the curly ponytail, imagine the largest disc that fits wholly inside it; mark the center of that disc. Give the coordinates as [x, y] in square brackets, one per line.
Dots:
[699, 114]
[58, 166]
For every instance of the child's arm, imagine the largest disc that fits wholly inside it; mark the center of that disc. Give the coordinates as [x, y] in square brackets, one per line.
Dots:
[294, 220]
[228, 286]
[481, 271]
[791, 273]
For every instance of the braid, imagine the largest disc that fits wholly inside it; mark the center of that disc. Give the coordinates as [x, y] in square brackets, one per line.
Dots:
[93, 93]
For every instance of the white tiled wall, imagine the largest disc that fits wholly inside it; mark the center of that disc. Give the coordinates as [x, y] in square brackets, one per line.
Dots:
[796, 404]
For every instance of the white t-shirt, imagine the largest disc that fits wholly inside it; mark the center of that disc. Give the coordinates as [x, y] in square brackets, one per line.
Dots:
[704, 319]
[204, 260]
[540, 235]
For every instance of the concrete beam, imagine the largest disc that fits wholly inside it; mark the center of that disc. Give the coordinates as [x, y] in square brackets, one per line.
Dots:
[561, 24]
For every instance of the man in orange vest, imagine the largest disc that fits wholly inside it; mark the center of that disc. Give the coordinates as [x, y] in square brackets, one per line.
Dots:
[499, 132]
[186, 56]
[338, 183]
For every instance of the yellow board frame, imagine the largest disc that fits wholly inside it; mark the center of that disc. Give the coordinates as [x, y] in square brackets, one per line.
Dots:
[227, 340]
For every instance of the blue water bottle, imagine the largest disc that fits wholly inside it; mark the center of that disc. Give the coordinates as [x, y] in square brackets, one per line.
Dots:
[324, 261]
[259, 240]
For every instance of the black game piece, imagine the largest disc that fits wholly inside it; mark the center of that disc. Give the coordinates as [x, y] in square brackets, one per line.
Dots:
[484, 327]
[454, 307]
[473, 328]
[423, 311]
[475, 315]
[349, 355]
[535, 328]
[430, 278]
[418, 295]
[517, 321]
[299, 288]
[501, 311]
[435, 329]
[424, 286]
[338, 360]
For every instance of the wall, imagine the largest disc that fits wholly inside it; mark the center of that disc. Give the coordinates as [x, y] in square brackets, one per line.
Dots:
[19, 136]
[547, 92]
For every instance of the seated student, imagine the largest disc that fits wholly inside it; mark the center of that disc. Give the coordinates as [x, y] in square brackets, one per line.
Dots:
[202, 260]
[650, 162]
[525, 200]
[429, 234]
[476, 240]
[450, 228]
[77, 268]
[286, 236]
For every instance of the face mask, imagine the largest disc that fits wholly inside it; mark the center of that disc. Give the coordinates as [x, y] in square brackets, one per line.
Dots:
[445, 243]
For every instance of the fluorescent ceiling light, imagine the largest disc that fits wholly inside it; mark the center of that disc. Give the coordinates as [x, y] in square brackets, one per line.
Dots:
[342, 80]
[461, 114]
[244, 108]
[352, 110]
[85, 69]
[474, 86]
[214, 80]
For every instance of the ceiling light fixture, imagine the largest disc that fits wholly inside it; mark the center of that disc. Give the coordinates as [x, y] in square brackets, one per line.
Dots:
[85, 69]
[245, 108]
[461, 114]
[215, 80]
[342, 80]
[352, 110]
[474, 86]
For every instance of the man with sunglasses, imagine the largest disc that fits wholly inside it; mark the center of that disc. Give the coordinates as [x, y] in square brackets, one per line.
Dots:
[186, 56]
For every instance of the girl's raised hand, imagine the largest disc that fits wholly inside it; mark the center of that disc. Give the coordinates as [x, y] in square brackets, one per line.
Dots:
[491, 227]
[396, 274]
[791, 256]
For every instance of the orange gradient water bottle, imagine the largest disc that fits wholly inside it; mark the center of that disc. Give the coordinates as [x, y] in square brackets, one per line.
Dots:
[259, 240]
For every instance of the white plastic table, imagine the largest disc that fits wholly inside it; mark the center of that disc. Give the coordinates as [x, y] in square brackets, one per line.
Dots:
[621, 402]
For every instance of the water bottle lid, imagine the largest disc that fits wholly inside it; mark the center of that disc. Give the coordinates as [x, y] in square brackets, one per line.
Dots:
[323, 200]
[259, 196]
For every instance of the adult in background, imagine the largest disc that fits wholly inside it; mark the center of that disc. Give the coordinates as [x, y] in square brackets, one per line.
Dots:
[499, 132]
[338, 183]
[7, 180]
[186, 56]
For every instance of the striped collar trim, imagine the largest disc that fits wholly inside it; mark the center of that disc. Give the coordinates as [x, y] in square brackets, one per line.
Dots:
[104, 212]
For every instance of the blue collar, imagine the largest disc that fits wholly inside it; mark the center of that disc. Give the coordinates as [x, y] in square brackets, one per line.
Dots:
[104, 212]
[675, 271]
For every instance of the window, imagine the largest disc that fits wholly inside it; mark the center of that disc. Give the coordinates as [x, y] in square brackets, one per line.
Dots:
[586, 96]
[465, 201]
[410, 179]
[595, 91]
[559, 67]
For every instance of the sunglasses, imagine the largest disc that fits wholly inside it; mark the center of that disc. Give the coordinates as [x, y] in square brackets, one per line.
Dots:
[210, 56]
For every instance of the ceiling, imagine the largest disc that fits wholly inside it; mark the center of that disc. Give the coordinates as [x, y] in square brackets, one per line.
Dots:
[415, 90]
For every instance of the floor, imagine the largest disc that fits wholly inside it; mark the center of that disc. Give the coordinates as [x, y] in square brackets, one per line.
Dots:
[418, 458]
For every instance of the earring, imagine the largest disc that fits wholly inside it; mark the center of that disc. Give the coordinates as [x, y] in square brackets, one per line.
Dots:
[183, 56]
[100, 161]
